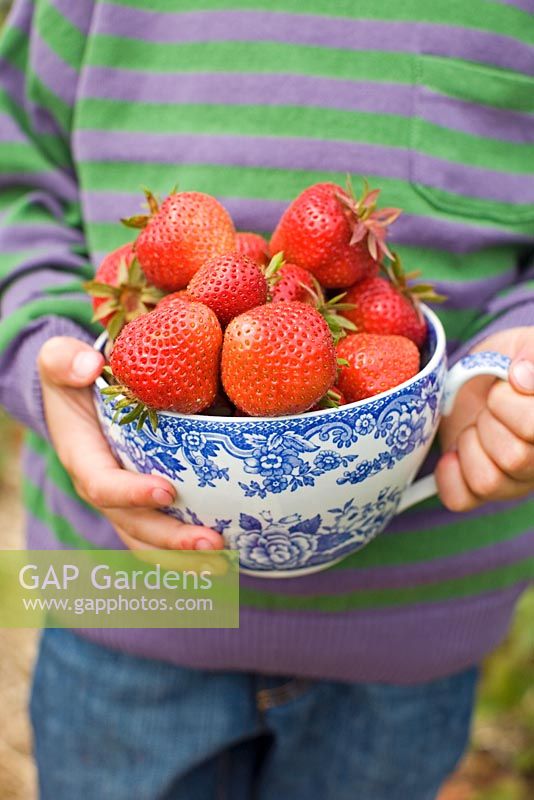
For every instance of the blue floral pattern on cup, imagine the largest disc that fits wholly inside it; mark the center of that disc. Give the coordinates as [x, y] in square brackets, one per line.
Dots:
[488, 358]
[309, 446]
[268, 543]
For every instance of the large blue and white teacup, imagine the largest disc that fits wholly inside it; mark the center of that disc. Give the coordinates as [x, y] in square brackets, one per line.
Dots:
[295, 494]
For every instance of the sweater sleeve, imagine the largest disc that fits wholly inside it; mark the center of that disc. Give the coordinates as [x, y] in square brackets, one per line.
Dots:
[512, 307]
[43, 254]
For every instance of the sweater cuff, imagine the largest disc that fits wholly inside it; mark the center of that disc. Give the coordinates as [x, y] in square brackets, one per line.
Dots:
[20, 385]
[516, 317]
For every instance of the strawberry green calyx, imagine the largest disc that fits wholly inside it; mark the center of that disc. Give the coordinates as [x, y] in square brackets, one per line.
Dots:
[138, 410]
[332, 399]
[367, 221]
[338, 324]
[415, 292]
[329, 310]
[129, 297]
[153, 202]
[272, 270]
[140, 221]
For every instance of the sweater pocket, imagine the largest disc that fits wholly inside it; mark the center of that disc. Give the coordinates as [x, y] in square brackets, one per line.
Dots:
[472, 140]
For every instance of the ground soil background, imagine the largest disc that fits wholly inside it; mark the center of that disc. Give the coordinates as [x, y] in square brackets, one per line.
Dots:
[17, 647]
[500, 765]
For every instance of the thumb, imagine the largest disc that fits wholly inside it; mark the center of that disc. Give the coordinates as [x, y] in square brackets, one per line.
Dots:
[65, 361]
[522, 369]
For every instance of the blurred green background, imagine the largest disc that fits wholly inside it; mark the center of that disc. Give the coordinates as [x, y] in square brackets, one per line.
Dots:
[500, 765]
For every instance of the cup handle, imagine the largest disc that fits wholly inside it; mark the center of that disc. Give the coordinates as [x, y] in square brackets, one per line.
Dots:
[484, 363]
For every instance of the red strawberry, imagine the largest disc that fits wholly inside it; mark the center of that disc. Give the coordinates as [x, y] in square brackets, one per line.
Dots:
[332, 234]
[375, 364]
[107, 273]
[294, 284]
[229, 285]
[168, 360]
[179, 236]
[120, 291]
[278, 359]
[390, 305]
[254, 246]
[170, 298]
[290, 283]
[380, 308]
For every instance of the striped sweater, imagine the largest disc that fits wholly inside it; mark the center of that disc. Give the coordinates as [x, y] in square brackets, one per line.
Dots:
[253, 100]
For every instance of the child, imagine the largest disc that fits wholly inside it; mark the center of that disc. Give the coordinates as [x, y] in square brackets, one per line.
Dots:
[364, 687]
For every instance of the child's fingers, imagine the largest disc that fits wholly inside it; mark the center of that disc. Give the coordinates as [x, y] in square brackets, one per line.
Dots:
[65, 361]
[469, 477]
[116, 488]
[84, 452]
[522, 369]
[514, 456]
[514, 410]
[481, 474]
[146, 528]
[452, 487]
[96, 474]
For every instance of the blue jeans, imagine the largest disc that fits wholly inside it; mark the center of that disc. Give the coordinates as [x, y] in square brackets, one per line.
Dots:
[108, 726]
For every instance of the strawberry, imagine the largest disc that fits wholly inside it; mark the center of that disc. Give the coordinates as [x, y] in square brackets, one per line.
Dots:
[390, 305]
[334, 235]
[289, 283]
[294, 283]
[167, 360]
[179, 236]
[380, 308]
[120, 291]
[374, 363]
[254, 246]
[278, 359]
[170, 298]
[229, 285]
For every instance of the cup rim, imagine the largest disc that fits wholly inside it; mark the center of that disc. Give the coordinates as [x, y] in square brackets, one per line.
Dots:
[436, 357]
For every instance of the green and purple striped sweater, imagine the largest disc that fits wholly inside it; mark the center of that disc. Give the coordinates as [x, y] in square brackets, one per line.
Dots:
[253, 100]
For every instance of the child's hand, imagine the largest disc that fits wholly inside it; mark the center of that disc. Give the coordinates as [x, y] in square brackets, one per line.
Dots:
[488, 440]
[67, 366]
